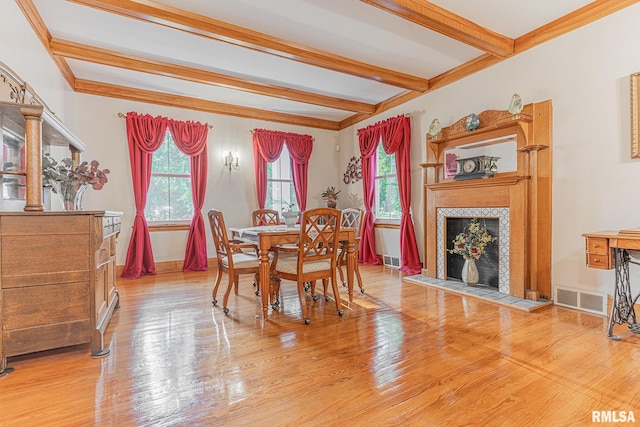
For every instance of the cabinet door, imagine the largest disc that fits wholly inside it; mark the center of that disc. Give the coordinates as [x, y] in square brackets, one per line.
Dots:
[101, 292]
[105, 277]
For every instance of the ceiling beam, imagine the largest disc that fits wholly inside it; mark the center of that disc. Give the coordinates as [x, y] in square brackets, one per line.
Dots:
[192, 23]
[585, 15]
[180, 101]
[111, 58]
[435, 18]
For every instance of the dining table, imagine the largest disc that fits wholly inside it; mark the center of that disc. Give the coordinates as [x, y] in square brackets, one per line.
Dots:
[266, 237]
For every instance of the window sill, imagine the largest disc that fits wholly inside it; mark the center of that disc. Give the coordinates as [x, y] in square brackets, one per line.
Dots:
[169, 226]
[393, 224]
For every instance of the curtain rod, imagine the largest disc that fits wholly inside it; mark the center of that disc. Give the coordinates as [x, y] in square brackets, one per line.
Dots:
[123, 115]
[252, 131]
[408, 115]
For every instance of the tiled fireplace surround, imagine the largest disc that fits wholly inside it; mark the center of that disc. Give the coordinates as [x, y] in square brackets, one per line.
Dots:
[502, 214]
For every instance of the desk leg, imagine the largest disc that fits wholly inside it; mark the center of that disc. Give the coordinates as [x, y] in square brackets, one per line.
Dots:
[351, 264]
[622, 310]
[264, 280]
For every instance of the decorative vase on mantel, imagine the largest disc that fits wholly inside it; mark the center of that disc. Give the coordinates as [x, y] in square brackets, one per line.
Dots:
[332, 203]
[470, 274]
[70, 194]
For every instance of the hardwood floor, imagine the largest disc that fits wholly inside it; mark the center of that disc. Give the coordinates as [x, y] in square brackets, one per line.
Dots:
[403, 354]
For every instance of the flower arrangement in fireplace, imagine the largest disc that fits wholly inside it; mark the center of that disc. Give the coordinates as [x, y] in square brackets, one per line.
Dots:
[471, 244]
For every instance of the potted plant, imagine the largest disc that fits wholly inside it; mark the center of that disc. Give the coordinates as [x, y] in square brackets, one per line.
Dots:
[331, 196]
[70, 183]
[290, 216]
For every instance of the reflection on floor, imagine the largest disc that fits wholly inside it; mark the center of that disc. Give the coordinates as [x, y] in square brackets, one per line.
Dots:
[483, 292]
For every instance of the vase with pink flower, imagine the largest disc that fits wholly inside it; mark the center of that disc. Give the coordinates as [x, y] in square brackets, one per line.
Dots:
[69, 182]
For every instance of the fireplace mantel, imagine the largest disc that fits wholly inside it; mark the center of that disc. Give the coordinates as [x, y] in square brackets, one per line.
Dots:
[525, 191]
[476, 183]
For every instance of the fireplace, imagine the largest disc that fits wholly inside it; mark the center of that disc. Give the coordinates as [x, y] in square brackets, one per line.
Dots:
[518, 197]
[493, 265]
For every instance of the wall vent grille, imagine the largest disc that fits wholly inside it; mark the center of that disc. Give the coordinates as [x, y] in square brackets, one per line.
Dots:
[593, 302]
[391, 261]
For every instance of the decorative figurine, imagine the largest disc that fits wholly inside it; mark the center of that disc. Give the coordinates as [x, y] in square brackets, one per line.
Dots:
[472, 123]
[515, 106]
[434, 127]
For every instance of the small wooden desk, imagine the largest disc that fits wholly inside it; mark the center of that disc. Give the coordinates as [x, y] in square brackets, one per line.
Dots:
[269, 236]
[607, 250]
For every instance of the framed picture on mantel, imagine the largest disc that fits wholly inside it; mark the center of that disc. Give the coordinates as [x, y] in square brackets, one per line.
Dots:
[635, 111]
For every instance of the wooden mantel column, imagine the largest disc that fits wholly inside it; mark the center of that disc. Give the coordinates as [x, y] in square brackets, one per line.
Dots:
[33, 156]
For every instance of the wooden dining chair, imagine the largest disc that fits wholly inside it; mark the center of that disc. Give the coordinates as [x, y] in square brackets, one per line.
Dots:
[315, 256]
[234, 257]
[351, 218]
[265, 217]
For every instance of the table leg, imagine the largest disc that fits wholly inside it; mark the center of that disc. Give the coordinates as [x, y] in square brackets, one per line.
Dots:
[622, 308]
[264, 279]
[351, 264]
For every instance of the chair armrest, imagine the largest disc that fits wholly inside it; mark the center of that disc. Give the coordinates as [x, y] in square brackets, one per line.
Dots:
[238, 246]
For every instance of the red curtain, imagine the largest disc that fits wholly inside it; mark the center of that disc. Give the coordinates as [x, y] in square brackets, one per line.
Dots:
[300, 147]
[145, 135]
[368, 139]
[396, 138]
[267, 146]
[191, 139]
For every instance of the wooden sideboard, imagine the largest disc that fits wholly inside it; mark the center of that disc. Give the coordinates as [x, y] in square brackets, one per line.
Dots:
[57, 280]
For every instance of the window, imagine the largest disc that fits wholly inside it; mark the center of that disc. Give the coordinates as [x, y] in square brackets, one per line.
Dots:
[280, 189]
[387, 196]
[169, 196]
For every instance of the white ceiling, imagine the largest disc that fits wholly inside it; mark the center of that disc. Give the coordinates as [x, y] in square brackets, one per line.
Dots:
[348, 28]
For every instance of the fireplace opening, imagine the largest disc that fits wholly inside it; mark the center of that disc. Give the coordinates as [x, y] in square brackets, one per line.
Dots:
[488, 264]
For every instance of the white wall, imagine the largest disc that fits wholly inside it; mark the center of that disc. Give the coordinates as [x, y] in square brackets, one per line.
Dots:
[22, 51]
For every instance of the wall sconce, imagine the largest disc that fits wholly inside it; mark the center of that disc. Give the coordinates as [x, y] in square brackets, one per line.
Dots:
[230, 161]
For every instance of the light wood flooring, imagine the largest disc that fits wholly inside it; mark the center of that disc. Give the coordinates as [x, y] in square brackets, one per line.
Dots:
[403, 355]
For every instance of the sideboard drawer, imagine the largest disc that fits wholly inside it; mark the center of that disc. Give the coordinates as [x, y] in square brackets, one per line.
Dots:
[598, 261]
[598, 253]
[597, 246]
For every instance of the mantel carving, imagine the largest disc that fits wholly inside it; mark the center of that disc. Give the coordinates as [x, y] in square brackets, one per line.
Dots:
[489, 120]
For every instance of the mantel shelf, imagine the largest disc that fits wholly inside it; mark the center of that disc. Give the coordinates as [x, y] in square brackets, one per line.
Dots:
[430, 165]
[476, 183]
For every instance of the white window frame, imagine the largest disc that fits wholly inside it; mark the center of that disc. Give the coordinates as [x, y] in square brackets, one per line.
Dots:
[283, 163]
[168, 139]
[378, 178]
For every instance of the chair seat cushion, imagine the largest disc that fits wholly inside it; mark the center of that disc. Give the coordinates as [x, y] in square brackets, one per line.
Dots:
[290, 265]
[241, 260]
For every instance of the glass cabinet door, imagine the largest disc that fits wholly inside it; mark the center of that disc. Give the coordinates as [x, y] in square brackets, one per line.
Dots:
[13, 160]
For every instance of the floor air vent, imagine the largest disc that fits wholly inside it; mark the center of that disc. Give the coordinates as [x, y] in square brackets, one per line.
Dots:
[391, 261]
[593, 302]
